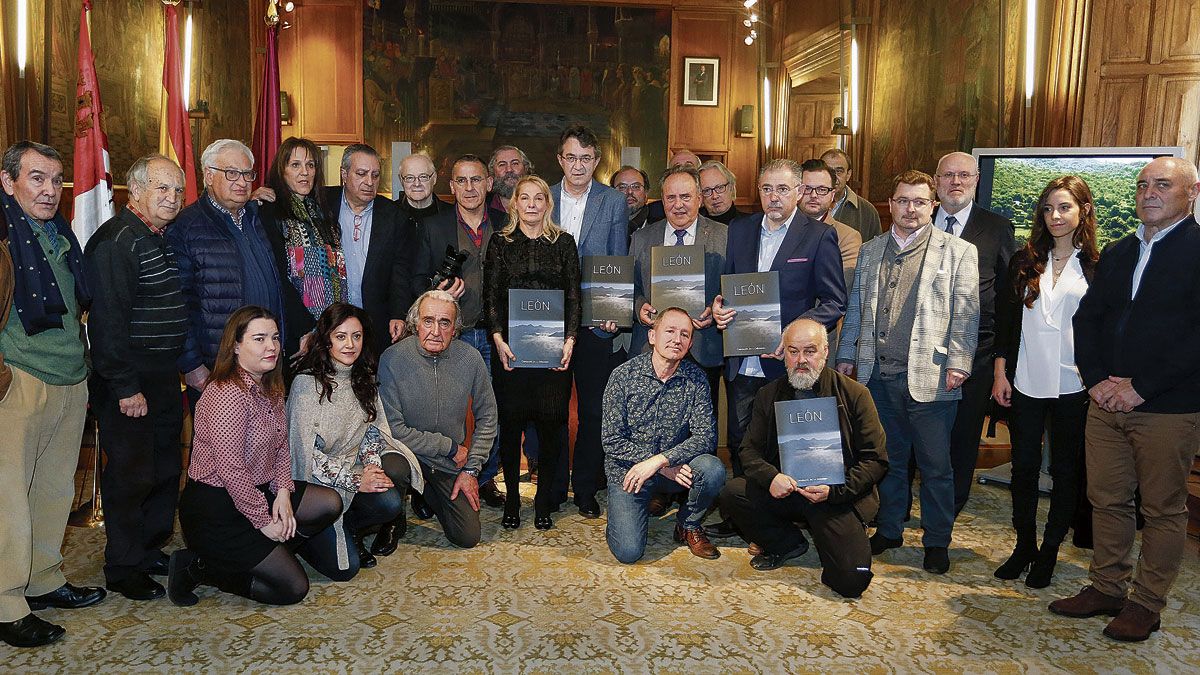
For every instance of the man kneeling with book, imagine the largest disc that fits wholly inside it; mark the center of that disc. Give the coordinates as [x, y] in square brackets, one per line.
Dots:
[812, 454]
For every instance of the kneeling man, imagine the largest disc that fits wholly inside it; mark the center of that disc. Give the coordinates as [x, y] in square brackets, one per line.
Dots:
[766, 503]
[659, 436]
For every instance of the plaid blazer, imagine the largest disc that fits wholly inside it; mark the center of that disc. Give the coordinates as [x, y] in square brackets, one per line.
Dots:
[946, 328]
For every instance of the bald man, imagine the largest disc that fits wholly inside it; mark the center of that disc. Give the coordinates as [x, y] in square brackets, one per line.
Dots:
[418, 176]
[1135, 352]
[768, 506]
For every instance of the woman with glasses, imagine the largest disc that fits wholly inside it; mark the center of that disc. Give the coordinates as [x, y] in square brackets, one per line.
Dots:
[341, 439]
[530, 252]
[241, 513]
[304, 240]
[1036, 374]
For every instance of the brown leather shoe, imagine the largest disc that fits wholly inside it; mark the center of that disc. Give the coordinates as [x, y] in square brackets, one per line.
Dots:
[1134, 624]
[659, 503]
[754, 549]
[697, 542]
[1088, 602]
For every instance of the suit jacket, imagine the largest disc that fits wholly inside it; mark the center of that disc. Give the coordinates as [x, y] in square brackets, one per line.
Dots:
[707, 347]
[860, 214]
[850, 242]
[605, 221]
[946, 328]
[436, 233]
[1149, 338]
[386, 287]
[992, 235]
[864, 451]
[811, 282]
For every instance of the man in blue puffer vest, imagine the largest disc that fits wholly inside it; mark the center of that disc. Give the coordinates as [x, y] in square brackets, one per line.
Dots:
[223, 257]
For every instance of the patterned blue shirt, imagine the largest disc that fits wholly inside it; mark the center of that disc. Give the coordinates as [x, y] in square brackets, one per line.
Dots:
[644, 416]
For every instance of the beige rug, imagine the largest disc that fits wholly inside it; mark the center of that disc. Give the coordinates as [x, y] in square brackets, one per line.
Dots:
[557, 602]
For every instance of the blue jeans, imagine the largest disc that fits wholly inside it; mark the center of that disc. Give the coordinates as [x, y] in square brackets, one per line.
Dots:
[923, 429]
[629, 516]
[478, 338]
[367, 509]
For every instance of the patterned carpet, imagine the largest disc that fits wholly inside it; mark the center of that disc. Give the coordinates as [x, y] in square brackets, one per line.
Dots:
[557, 602]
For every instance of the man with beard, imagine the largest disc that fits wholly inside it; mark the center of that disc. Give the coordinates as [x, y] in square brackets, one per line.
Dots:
[632, 182]
[508, 165]
[767, 505]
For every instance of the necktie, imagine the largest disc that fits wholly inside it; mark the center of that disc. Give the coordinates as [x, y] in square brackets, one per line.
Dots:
[679, 234]
[951, 221]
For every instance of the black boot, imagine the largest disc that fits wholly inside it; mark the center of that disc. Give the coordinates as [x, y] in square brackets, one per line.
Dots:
[1021, 558]
[365, 560]
[185, 571]
[1043, 566]
[389, 535]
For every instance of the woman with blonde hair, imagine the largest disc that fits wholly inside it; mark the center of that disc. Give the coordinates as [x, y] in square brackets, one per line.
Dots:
[530, 252]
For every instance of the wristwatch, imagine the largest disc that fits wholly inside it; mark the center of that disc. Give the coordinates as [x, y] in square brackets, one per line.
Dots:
[473, 473]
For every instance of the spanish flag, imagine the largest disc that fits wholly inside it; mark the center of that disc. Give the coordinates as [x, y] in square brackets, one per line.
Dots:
[175, 137]
[93, 177]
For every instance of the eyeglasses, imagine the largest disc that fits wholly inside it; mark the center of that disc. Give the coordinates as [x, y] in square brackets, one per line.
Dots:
[818, 190]
[961, 175]
[781, 190]
[630, 187]
[841, 171]
[715, 190]
[462, 181]
[577, 159]
[419, 178]
[903, 202]
[358, 221]
[232, 175]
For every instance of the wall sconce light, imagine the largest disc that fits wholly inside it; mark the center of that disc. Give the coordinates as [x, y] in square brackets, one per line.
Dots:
[745, 121]
[839, 127]
[22, 35]
[1030, 48]
[285, 110]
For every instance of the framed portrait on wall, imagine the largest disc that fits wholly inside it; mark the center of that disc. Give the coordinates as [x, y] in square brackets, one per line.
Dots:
[700, 83]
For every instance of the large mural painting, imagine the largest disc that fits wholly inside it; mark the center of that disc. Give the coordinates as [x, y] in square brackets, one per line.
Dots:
[463, 76]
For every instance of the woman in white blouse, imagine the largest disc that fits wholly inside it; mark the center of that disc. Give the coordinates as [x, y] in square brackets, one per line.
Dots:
[1036, 374]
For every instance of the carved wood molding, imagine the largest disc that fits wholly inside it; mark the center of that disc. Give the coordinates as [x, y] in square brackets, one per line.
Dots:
[813, 57]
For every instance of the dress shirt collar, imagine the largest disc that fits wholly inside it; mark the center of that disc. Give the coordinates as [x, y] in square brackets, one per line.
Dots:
[960, 218]
[346, 207]
[766, 228]
[235, 217]
[566, 194]
[669, 232]
[906, 241]
[1141, 233]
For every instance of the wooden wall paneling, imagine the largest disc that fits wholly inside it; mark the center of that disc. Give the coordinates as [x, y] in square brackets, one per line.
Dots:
[1179, 121]
[324, 75]
[1126, 31]
[1180, 36]
[707, 35]
[743, 157]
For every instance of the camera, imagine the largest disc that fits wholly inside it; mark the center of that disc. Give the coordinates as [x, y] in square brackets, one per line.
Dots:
[451, 266]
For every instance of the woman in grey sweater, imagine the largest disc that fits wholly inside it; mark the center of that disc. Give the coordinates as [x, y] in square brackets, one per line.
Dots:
[340, 438]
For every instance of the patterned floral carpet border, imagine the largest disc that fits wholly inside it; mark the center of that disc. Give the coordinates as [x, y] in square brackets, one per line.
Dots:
[557, 602]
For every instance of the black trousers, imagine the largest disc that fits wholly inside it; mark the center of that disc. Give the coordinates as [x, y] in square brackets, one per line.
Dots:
[591, 364]
[968, 426]
[838, 533]
[140, 481]
[459, 521]
[1027, 421]
[739, 394]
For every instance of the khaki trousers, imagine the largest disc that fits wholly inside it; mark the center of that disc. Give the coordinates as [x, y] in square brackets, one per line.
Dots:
[42, 425]
[1125, 452]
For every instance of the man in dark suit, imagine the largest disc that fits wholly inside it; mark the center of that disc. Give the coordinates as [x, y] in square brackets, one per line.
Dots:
[466, 228]
[377, 240]
[992, 234]
[683, 226]
[597, 217]
[418, 201]
[718, 187]
[806, 254]
[633, 183]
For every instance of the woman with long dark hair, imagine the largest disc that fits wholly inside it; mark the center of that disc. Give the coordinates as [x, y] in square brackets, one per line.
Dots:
[530, 252]
[341, 439]
[1036, 374]
[305, 241]
[241, 511]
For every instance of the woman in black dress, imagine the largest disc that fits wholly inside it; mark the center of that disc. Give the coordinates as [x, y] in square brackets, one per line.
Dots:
[531, 252]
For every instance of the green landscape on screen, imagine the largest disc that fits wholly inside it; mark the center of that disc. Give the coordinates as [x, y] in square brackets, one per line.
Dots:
[1018, 181]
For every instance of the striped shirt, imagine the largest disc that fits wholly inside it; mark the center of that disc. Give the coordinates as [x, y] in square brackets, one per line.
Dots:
[138, 320]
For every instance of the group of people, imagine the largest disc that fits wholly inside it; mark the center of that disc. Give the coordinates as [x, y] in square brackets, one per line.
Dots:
[342, 351]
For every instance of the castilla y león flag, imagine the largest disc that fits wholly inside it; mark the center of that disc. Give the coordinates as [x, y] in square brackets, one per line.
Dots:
[93, 177]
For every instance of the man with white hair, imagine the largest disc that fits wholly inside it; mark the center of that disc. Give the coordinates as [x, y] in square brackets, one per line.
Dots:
[766, 504]
[418, 175]
[223, 256]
